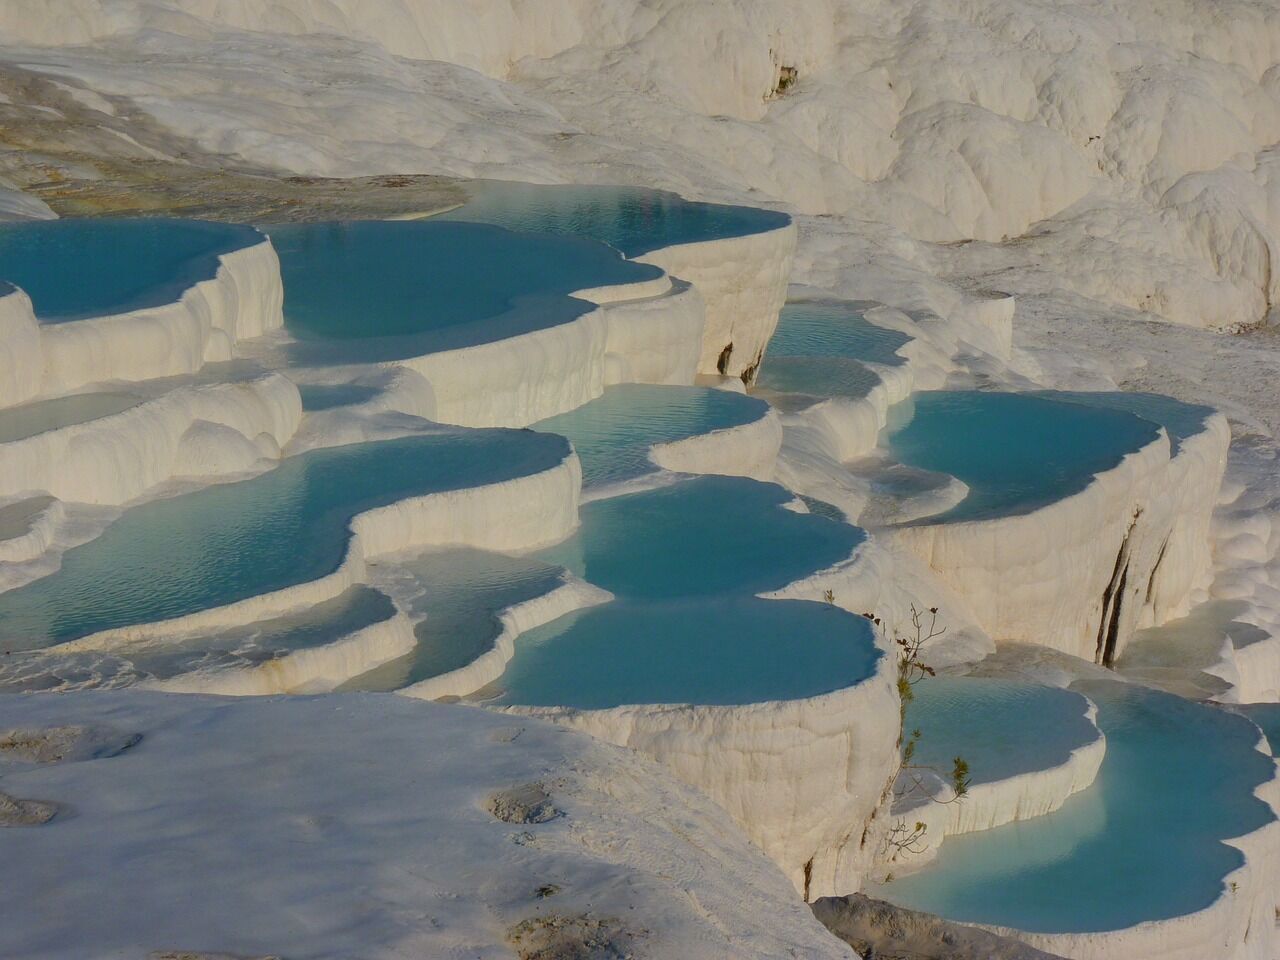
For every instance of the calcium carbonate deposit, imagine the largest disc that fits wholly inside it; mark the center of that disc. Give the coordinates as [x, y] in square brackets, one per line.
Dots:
[586, 479]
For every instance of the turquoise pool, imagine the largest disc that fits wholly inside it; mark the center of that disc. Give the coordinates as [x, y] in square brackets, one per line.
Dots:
[684, 563]
[1015, 451]
[834, 328]
[614, 432]
[234, 648]
[173, 557]
[1266, 716]
[634, 220]
[1000, 727]
[1144, 843]
[458, 594]
[73, 269]
[1180, 420]
[436, 285]
[814, 378]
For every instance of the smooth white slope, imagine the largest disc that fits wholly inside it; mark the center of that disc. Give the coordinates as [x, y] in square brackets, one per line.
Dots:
[361, 825]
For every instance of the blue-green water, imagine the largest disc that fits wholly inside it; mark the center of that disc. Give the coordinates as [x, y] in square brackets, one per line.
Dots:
[437, 285]
[730, 650]
[18, 423]
[1015, 451]
[819, 350]
[458, 594]
[614, 432]
[1144, 843]
[1000, 727]
[1266, 716]
[327, 396]
[684, 562]
[231, 648]
[816, 377]
[1180, 420]
[634, 220]
[169, 558]
[74, 269]
[701, 537]
[834, 328]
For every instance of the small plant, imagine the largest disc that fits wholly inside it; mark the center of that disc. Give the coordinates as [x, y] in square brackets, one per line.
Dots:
[912, 668]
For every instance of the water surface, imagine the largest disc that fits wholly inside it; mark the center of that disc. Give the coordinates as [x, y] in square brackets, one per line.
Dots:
[73, 269]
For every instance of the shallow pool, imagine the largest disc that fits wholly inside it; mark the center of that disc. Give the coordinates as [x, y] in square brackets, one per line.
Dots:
[1000, 727]
[613, 433]
[1144, 843]
[684, 562]
[19, 423]
[455, 595]
[834, 328]
[224, 649]
[74, 269]
[1180, 420]
[436, 285]
[173, 557]
[635, 220]
[1015, 451]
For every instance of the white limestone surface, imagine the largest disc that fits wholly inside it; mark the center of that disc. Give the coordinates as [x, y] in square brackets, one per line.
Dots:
[466, 835]
[201, 430]
[743, 281]
[519, 380]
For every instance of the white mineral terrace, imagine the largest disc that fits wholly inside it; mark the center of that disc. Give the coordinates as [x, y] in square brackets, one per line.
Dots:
[136, 408]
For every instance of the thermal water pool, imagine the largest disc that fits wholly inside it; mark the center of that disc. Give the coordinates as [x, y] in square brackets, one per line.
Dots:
[168, 558]
[225, 649]
[820, 349]
[1000, 727]
[634, 220]
[416, 287]
[614, 433]
[1015, 451]
[1143, 843]
[74, 269]
[685, 562]
[454, 596]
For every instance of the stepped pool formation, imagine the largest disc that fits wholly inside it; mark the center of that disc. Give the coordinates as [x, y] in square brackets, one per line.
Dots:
[679, 614]
[175, 557]
[1149, 843]
[78, 269]
[631, 430]
[565, 454]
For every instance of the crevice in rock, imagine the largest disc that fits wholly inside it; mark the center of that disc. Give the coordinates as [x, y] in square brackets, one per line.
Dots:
[723, 363]
[808, 878]
[1113, 600]
[1151, 581]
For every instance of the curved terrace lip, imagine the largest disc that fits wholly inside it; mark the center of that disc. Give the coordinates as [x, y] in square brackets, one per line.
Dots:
[179, 604]
[185, 274]
[541, 303]
[514, 202]
[1144, 431]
